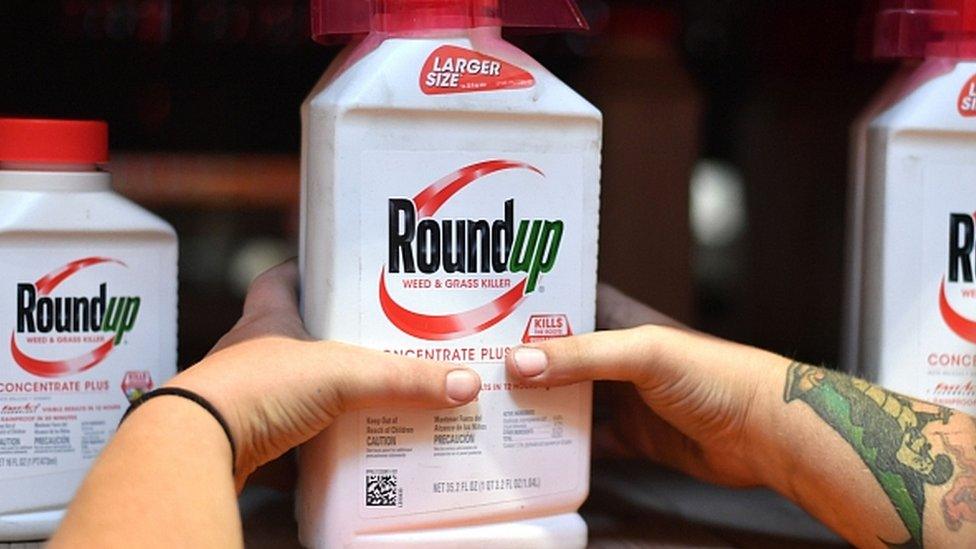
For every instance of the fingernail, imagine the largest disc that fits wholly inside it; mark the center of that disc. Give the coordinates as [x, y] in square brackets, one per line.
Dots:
[530, 362]
[462, 385]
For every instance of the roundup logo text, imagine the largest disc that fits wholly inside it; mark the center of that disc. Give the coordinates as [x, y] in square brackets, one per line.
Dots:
[419, 242]
[961, 271]
[101, 318]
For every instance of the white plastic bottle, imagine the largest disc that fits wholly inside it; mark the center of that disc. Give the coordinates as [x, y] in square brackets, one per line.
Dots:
[917, 321]
[854, 250]
[87, 314]
[450, 202]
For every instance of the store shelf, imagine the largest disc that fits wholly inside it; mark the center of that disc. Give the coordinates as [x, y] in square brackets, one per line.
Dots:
[227, 181]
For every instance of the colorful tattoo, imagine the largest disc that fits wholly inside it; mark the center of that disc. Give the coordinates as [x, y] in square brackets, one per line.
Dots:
[884, 429]
[959, 503]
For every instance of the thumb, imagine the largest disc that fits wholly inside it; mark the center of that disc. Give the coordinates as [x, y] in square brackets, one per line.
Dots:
[620, 355]
[653, 358]
[277, 393]
[362, 378]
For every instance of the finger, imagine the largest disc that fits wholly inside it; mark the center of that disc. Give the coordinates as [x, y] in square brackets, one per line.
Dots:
[274, 291]
[270, 309]
[364, 379]
[617, 356]
[616, 310]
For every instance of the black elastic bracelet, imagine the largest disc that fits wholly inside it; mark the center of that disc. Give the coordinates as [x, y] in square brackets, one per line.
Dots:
[200, 401]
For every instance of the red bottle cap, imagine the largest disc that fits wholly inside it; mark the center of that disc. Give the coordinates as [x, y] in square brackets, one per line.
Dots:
[332, 19]
[38, 141]
[926, 28]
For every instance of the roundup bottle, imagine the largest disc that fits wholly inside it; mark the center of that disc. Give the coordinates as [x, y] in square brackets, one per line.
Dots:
[915, 202]
[87, 313]
[450, 202]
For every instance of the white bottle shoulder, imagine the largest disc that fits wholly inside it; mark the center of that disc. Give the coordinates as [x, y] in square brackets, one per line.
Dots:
[94, 212]
[386, 75]
[932, 100]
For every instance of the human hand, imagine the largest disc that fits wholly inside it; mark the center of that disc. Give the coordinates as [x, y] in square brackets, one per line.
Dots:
[691, 396]
[277, 387]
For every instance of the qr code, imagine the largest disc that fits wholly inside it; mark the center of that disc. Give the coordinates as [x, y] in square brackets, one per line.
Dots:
[382, 489]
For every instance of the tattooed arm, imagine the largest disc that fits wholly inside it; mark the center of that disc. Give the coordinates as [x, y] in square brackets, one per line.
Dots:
[896, 449]
[881, 469]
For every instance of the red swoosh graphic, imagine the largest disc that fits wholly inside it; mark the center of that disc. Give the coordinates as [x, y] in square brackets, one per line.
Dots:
[962, 326]
[454, 326]
[59, 368]
[432, 198]
[444, 327]
[50, 281]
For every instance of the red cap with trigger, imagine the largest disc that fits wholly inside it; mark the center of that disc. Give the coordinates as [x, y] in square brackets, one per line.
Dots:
[926, 28]
[334, 20]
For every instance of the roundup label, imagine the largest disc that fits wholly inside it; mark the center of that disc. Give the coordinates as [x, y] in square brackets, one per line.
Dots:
[76, 324]
[482, 253]
[959, 277]
[463, 255]
[946, 327]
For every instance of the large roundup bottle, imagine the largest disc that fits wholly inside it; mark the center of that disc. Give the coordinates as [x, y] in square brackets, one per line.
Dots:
[450, 203]
[912, 304]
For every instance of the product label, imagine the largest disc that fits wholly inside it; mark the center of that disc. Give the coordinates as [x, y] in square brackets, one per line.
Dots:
[545, 327]
[451, 69]
[947, 334]
[967, 99]
[468, 255]
[81, 329]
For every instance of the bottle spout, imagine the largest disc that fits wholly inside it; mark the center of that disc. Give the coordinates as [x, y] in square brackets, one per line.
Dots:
[926, 28]
[338, 20]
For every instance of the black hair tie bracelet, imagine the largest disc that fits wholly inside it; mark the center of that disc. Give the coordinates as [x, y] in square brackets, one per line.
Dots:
[193, 397]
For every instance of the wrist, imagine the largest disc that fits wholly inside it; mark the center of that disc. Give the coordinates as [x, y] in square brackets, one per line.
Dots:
[204, 381]
[171, 422]
[195, 398]
[771, 431]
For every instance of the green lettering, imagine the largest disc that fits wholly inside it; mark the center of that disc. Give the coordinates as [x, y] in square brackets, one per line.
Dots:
[523, 253]
[120, 316]
[535, 251]
[128, 319]
[545, 257]
[112, 313]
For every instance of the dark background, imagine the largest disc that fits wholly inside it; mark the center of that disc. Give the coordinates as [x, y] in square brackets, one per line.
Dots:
[754, 96]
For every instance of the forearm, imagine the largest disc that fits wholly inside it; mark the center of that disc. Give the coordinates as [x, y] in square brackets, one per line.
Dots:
[877, 467]
[165, 480]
